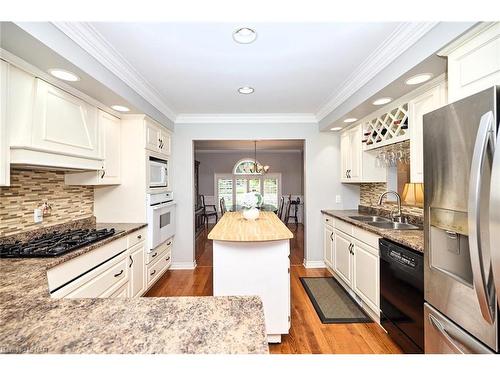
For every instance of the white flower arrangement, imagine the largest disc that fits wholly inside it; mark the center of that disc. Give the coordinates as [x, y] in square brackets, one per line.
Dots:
[251, 200]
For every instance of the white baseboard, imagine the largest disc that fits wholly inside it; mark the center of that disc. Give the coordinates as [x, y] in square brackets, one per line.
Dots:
[183, 266]
[314, 264]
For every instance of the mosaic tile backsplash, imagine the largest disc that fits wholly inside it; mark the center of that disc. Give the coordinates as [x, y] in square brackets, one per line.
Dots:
[30, 189]
[369, 194]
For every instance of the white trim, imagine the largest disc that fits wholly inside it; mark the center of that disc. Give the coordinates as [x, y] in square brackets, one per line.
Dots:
[314, 264]
[249, 118]
[464, 38]
[215, 151]
[88, 38]
[405, 35]
[183, 265]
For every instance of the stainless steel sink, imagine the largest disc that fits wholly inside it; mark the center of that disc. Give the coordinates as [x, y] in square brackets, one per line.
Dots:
[392, 225]
[367, 219]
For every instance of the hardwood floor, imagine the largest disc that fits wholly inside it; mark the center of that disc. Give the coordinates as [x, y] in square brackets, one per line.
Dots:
[307, 334]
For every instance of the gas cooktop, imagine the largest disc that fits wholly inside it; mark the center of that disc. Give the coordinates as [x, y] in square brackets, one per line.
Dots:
[54, 244]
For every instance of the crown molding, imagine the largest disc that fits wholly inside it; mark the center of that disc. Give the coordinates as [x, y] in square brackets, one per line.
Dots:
[465, 37]
[257, 118]
[88, 38]
[405, 35]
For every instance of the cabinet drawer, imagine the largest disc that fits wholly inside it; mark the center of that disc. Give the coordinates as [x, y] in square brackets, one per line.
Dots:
[153, 255]
[156, 269]
[368, 238]
[119, 292]
[344, 227]
[101, 283]
[328, 220]
[135, 237]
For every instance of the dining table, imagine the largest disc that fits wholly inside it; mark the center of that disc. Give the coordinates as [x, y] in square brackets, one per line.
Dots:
[264, 207]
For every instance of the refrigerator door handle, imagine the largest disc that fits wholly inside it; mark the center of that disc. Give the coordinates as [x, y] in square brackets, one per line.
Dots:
[495, 221]
[485, 137]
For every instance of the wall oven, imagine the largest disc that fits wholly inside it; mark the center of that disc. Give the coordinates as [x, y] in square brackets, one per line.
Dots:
[161, 218]
[158, 173]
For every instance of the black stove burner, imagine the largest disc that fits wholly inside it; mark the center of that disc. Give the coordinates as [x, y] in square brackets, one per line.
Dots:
[54, 244]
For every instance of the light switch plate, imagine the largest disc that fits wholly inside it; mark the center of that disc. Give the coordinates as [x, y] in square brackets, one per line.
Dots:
[338, 199]
[37, 215]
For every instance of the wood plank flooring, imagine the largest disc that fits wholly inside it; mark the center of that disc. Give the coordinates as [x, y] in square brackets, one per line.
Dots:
[307, 334]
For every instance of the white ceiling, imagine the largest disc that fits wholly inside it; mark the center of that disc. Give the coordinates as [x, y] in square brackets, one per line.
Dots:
[196, 68]
[239, 145]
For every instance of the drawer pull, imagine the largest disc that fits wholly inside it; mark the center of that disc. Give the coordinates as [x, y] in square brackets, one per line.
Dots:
[170, 243]
[119, 273]
[131, 261]
[168, 258]
[155, 254]
[139, 236]
[152, 273]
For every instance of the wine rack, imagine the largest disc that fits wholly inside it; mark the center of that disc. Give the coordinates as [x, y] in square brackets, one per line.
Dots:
[388, 128]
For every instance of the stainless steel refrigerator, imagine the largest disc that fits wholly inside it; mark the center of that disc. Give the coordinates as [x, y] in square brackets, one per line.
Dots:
[462, 225]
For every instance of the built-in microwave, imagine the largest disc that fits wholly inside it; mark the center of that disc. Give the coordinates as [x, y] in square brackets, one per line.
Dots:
[157, 172]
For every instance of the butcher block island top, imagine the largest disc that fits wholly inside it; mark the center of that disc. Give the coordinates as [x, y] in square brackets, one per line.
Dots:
[234, 227]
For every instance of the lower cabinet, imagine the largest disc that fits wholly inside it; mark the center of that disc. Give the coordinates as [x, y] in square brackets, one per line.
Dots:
[157, 262]
[354, 260]
[137, 282]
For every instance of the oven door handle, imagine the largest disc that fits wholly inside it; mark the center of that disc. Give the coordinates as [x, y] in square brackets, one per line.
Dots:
[163, 205]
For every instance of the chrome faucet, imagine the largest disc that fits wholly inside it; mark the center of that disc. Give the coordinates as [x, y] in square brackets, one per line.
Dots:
[399, 215]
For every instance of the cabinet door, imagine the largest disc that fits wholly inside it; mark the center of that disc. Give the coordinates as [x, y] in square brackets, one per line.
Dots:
[328, 246]
[153, 136]
[356, 153]
[4, 149]
[366, 275]
[165, 142]
[111, 133]
[64, 123]
[343, 257]
[418, 107]
[344, 155]
[137, 270]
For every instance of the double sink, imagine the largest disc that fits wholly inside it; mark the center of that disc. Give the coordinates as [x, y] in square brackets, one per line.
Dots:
[383, 223]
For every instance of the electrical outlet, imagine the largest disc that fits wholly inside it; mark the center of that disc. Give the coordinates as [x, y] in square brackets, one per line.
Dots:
[38, 215]
[338, 199]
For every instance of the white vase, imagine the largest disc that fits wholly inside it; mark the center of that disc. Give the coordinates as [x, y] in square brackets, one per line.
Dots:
[251, 213]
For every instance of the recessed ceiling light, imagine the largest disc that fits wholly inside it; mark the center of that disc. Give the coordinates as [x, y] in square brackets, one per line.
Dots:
[336, 128]
[419, 78]
[120, 108]
[246, 90]
[64, 75]
[382, 101]
[350, 119]
[245, 35]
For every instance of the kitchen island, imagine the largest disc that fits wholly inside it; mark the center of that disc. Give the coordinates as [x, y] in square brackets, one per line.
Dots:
[252, 258]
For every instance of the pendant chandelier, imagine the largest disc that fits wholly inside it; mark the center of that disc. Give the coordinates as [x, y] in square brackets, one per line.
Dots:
[256, 167]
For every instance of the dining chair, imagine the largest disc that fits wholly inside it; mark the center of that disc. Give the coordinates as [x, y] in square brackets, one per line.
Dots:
[287, 209]
[222, 206]
[208, 211]
[280, 207]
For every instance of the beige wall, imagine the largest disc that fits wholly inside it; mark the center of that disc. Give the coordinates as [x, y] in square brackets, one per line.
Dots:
[29, 189]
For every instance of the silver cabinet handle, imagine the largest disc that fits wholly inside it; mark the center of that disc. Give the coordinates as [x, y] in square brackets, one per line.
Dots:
[152, 273]
[485, 138]
[119, 273]
[495, 220]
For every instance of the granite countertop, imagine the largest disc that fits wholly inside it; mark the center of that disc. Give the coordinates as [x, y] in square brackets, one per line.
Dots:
[33, 322]
[413, 238]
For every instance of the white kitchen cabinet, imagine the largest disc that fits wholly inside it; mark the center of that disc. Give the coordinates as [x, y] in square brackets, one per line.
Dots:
[427, 102]
[343, 257]
[474, 62]
[110, 172]
[357, 165]
[64, 123]
[158, 139]
[328, 246]
[137, 284]
[4, 146]
[366, 280]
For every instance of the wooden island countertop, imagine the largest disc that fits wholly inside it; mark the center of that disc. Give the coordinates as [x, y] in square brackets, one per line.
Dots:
[234, 227]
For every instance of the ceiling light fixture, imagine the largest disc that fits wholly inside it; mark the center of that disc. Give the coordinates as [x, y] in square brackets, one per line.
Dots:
[64, 75]
[244, 35]
[350, 119]
[382, 101]
[418, 79]
[256, 167]
[246, 90]
[120, 108]
[336, 128]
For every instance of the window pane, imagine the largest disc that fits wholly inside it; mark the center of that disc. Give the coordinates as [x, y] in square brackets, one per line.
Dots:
[254, 185]
[271, 191]
[241, 189]
[225, 190]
